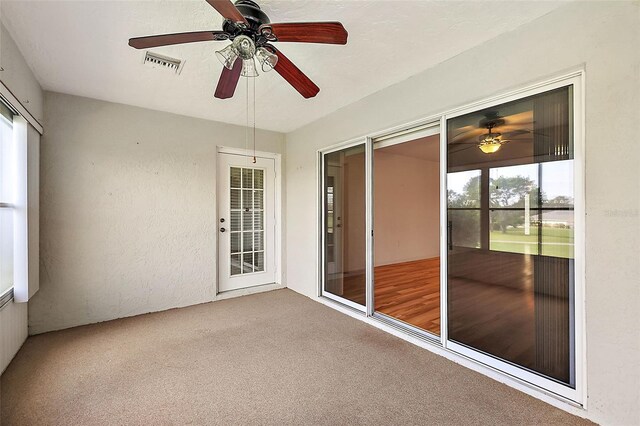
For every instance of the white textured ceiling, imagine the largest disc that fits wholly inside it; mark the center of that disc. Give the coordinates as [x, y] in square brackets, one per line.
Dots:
[80, 48]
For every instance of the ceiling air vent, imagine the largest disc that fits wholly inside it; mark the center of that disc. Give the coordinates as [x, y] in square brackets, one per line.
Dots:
[163, 62]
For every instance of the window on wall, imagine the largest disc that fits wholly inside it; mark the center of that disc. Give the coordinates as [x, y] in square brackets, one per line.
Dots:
[532, 209]
[463, 204]
[513, 192]
[6, 200]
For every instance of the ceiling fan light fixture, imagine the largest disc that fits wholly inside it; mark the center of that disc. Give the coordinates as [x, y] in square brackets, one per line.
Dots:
[245, 47]
[249, 68]
[267, 59]
[227, 56]
[490, 143]
[489, 147]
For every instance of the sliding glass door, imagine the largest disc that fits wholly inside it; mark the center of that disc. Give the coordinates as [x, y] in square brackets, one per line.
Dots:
[511, 226]
[468, 231]
[406, 221]
[344, 225]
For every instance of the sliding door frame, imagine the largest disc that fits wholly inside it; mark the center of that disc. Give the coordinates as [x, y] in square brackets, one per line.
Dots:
[517, 374]
[322, 204]
[577, 394]
[379, 139]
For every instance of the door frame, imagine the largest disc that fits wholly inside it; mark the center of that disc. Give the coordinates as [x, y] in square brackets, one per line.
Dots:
[518, 377]
[321, 219]
[277, 157]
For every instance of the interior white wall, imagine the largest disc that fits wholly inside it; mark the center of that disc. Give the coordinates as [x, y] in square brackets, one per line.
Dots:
[17, 76]
[128, 221]
[602, 37]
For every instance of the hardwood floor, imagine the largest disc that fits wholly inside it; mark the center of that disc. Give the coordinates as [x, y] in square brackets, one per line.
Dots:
[502, 319]
[410, 292]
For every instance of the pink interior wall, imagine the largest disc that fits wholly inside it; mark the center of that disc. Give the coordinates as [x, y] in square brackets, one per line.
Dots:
[406, 208]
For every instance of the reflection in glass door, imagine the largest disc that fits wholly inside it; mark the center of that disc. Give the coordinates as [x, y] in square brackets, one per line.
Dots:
[510, 261]
[344, 213]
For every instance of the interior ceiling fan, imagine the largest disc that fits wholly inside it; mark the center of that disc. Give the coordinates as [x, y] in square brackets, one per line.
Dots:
[251, 33]
[491, 141]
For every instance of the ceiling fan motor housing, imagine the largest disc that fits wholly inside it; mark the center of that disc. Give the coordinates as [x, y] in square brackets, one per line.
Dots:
[252, 13]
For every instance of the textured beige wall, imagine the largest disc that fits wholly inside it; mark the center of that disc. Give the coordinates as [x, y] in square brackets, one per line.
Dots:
[128, 210]
[602, 37]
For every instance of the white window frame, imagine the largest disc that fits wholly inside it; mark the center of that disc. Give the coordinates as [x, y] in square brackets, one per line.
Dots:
[532, 383]
[7, 294]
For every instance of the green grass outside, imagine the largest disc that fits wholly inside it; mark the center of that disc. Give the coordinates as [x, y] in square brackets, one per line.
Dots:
[557, 242]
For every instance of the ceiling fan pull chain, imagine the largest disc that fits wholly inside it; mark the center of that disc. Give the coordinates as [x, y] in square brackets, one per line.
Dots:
[246, 128]
[254, 121]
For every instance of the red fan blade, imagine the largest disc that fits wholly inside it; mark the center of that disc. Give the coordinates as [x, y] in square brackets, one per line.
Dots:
[310, 32]
[178, 38]
[229, 80]
[228, 10]
[294, 76]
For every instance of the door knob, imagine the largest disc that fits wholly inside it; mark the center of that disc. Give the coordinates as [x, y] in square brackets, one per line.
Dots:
[222, 229]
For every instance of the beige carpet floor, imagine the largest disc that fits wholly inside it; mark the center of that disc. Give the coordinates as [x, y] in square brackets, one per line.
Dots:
[270, 358]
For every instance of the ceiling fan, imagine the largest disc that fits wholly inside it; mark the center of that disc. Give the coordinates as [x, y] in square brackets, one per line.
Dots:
[251, 33]
[491, 141]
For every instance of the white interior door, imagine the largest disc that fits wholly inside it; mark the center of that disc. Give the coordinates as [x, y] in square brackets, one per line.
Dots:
[246, 222]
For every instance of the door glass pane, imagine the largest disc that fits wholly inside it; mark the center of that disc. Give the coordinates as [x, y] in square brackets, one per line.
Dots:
[258, 178]
[258, 261]
[258, 199]
[235, 199]
[247, 263]
[235, 221]
[247, 200]
[247, 178]
[247, 220]
[247, 241]
[235, 177]
[258, 223]
[258, 240]
[510, 275]
[235, 242]
[236, 262]
[344, 223]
